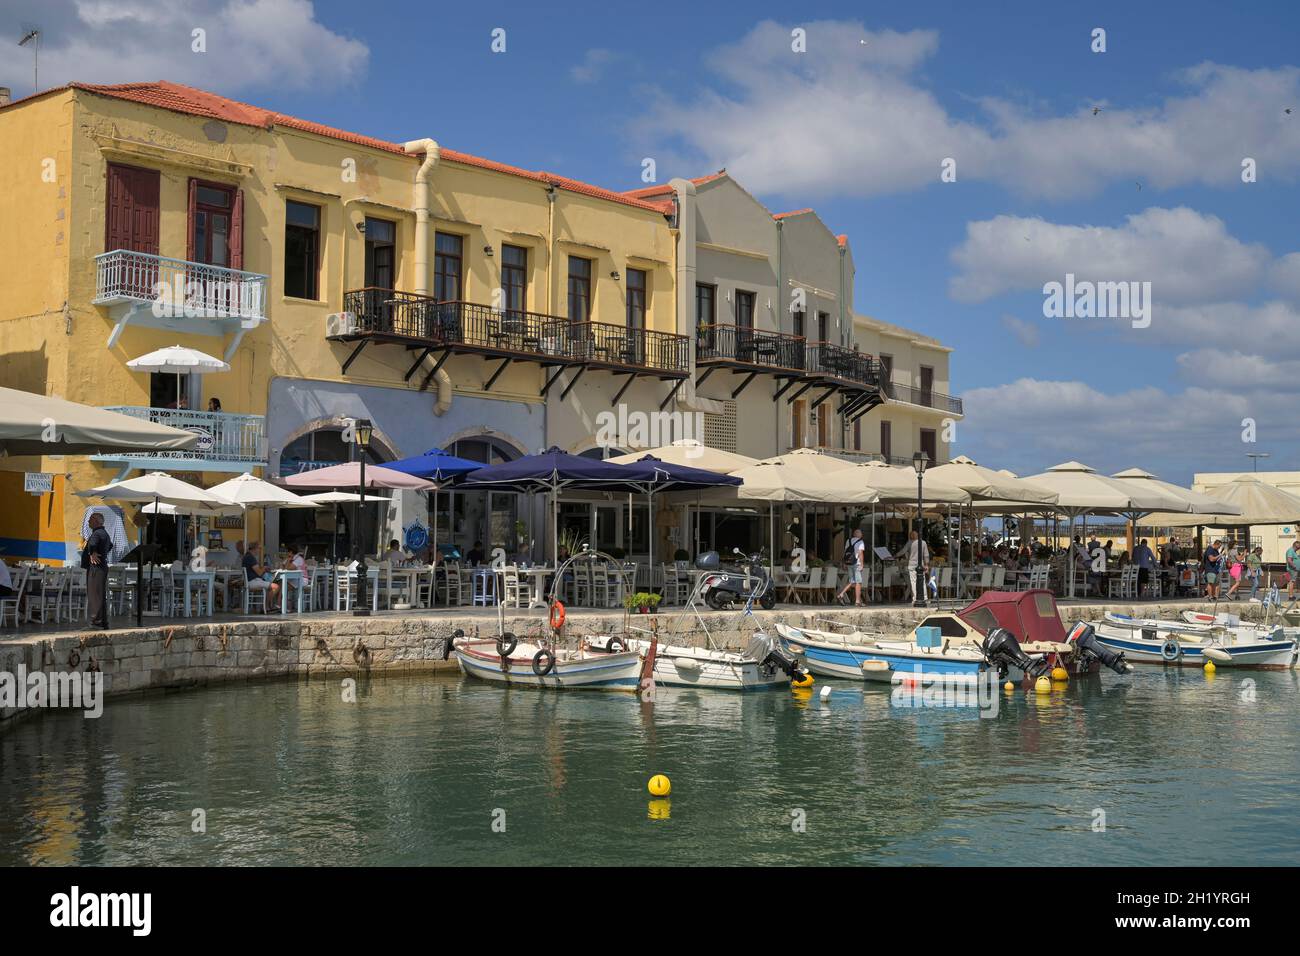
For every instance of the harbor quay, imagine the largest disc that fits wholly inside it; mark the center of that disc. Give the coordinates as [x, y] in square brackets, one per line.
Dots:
[331, 645]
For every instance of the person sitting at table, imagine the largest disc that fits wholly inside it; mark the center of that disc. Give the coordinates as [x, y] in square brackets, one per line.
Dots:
[295, 561]
[475, 556]
[254, 574]
[395, 556]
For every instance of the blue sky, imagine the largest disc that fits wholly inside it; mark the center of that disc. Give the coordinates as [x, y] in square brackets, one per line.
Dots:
[1148, 189]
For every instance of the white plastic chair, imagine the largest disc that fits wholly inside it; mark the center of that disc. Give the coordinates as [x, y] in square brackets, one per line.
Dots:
[50, 599]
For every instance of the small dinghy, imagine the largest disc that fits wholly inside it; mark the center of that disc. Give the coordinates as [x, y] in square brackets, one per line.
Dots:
[509, 660]
[1191, 642]
[762, 665]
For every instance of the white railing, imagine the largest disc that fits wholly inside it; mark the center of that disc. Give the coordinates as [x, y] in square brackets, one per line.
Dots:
[179, 289]
[223, 436]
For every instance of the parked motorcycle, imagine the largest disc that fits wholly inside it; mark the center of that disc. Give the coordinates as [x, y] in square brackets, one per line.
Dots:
[747, 581]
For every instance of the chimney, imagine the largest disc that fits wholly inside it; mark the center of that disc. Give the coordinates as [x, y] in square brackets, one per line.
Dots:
[4, 96]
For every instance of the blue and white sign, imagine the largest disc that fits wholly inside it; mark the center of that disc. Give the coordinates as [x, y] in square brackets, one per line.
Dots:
[415, 536]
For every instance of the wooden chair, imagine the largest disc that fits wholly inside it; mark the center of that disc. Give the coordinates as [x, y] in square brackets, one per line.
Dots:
[50, 599]
[809, 587]
[9, 606]
[830, 577]
[985, 582]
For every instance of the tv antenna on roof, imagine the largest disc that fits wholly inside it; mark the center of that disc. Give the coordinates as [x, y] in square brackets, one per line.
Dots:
[33, 36]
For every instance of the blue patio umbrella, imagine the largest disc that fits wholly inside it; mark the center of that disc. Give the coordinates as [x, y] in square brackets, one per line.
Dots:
[438, 465]
[667, 476]
[554, 470]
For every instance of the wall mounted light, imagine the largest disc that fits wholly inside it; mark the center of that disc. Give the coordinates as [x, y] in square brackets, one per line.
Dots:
[614, 275]
[361, 225]
[489, 251]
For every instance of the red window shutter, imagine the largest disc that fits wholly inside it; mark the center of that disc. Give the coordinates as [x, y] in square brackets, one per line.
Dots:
[237, 232]
[189, 232]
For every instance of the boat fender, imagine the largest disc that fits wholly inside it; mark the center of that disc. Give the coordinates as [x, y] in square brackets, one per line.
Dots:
[1218, 654]
[1171, 650]
[616, 645]
[557, 615]
[687, 665]
[874, 666]
[506, 644]
[361, 654]
[540, 669]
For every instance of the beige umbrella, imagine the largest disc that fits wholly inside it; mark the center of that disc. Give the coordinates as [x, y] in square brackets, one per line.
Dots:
[689, 452]
[1254, 501]
[986, 485]
[893, 483]
[249, 491]
[33, 424]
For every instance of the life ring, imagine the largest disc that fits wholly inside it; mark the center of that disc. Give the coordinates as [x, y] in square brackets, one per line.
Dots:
[1171, 650]
[557, 615]
[616, 645]
[506, 644]
[538, 669]
[361, 654]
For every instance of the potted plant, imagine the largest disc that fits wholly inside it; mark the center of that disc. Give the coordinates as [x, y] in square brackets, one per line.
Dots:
[642, 602]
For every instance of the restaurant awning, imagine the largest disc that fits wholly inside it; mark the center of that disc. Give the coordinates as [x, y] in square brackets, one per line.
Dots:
[32, 424]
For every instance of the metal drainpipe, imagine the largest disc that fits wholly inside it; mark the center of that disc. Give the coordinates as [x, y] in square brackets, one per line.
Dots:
[780, 313]
[423, 228]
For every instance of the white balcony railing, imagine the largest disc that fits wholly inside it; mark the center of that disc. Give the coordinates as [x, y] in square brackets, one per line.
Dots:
[179, 289]
[223, 436]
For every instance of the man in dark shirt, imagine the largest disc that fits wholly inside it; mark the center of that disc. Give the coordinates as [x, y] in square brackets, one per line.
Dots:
[1210, 568]
[94, 558]
[475, 556]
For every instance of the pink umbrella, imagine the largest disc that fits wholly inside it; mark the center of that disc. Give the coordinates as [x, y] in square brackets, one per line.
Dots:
[348, 475]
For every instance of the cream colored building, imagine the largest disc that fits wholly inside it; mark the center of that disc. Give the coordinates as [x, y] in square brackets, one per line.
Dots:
[1275, 539]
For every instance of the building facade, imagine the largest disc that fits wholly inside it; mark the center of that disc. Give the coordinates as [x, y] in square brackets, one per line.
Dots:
[452, 300]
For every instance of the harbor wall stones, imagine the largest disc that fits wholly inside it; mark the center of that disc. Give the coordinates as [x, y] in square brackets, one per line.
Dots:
[336, 646]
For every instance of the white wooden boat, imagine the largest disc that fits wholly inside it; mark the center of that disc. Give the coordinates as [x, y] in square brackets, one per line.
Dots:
[761, 666]
[1189, 643]
[529, 664]
[867, 657]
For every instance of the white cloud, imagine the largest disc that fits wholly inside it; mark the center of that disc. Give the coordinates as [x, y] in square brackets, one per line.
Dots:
[1030, 424]
[1187, 256]
[249, 44]
[592, 66]
[788, 123]
[1026, 332]
[1285, 276]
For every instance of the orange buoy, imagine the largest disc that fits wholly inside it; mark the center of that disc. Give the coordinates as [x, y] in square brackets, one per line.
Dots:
[557, 615]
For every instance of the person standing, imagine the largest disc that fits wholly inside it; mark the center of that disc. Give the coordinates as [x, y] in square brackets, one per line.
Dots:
[1236, 565]
[1255, 570]
[856, 554]
[918, 556]
[1292, 567]
[1210, 561]
[1145, 561]
[94, 558]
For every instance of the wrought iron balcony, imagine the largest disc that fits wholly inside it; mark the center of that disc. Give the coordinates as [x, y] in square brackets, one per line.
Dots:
[175, 288]
[927, 398]
[846, 365]
[744, 348]
[455, 327]
[227, 441]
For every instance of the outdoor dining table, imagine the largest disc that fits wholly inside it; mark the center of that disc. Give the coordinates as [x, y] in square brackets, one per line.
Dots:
[183, 579]
[537, 578]
[287, 577]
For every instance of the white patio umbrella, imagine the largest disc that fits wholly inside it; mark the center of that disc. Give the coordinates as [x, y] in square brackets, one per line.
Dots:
[180, 360]
[1253, 502]
[249, 491]
[32, 424]
[694, 454]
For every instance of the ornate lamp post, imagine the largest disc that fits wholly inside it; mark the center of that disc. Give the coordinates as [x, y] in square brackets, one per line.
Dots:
[919, 596]
[362, 429]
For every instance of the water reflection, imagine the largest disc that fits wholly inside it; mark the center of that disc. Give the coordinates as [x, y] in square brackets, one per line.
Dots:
[414, 770]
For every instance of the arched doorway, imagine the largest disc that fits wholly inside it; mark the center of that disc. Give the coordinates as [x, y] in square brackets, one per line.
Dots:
[481, 520]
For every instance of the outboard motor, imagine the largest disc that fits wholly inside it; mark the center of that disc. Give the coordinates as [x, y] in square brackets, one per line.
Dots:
[1002, 650]
[769, 654]
[1084, 637]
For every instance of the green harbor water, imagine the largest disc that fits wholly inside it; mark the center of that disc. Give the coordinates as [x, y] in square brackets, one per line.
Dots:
[1187, 770]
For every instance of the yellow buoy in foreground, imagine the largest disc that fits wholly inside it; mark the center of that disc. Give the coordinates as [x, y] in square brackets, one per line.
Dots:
[659, 786]
[805, 681]
[1043, 685]
[1060, 673]
[1008, 687]
[1209, 667]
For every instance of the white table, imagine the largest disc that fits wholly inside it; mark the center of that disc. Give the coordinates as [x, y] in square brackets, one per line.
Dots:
[184, 578]
[286, 578]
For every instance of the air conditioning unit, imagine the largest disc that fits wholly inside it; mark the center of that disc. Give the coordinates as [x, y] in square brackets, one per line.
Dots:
[340, 323]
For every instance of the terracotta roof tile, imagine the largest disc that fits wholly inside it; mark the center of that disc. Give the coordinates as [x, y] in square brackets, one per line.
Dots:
[663, 188]
[795, 212]
[186, 99]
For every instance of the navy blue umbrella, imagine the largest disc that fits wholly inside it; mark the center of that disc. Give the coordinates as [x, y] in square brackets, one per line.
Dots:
[436, 465]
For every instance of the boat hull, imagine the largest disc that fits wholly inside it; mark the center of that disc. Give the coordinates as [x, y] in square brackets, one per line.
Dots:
[684, 666]
[829, 658]
[1172, 647]
[574, 670]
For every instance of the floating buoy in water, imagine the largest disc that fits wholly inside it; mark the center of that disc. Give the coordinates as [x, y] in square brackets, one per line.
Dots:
[805, 681]
[1043, 685]
[659, 786]
[1060, 673]
[1209, 667]
[659, 809]
[1009, 687]
[826, 693]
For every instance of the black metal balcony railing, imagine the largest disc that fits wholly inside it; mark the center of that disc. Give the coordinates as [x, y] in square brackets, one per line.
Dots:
[472, 326]
[750, 347]
[925, 397]
[850, 365]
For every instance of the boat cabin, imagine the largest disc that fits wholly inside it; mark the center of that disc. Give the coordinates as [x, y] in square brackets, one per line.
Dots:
[1031, 616]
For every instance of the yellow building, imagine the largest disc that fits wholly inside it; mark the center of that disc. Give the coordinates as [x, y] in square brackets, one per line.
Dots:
[451, 300]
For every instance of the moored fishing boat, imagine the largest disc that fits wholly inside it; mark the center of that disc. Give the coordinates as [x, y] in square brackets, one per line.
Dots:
[508, 660]
[1187, 643]
[762, 665]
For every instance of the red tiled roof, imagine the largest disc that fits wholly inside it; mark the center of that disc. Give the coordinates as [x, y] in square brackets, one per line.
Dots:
[194, 102]
[663, 188]
[842, 239]
[795, 212]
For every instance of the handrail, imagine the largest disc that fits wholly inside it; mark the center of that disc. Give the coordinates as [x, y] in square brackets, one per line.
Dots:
[757, 347]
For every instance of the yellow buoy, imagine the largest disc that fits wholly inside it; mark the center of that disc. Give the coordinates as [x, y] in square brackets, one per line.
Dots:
[1043, 685]
[659, 809]
[659, 786]
[1060, 673]
[1209, 667]
[805, 681]
[1008, 687]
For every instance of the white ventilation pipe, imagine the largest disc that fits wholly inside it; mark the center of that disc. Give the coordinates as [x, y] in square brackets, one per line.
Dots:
[423, 231]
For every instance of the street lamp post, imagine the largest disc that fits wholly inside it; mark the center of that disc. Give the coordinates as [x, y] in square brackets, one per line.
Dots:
[919, 596]
[1255, 456]
[362, 429]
